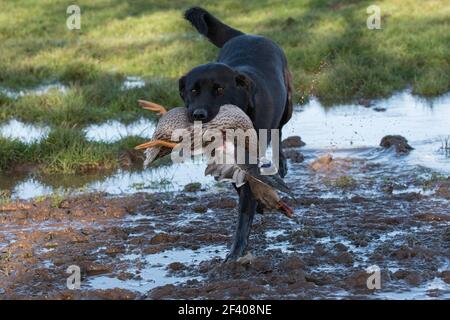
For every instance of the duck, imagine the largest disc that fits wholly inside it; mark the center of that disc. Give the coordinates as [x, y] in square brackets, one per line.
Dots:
[264, 187]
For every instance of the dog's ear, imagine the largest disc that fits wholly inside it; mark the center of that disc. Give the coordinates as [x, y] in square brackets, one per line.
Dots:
[246, 83]
[182, 87]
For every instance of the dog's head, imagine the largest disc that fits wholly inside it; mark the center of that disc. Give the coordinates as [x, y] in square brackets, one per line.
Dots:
[207, 87]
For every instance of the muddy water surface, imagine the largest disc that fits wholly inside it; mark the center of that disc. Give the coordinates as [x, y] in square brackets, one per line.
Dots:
[148, 238]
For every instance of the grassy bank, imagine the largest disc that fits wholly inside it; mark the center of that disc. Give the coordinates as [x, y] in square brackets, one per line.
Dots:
[65, 150]
[331, 53]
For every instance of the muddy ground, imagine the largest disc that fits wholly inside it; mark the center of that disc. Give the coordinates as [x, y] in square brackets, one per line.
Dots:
[351, 213]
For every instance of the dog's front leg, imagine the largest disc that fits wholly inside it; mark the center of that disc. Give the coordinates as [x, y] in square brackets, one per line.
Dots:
[247, 207]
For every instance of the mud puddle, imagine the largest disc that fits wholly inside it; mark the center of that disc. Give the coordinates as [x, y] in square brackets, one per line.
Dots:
[155, 271]
[363, 207]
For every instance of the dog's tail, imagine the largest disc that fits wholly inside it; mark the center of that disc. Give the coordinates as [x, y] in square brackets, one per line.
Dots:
[216, 31]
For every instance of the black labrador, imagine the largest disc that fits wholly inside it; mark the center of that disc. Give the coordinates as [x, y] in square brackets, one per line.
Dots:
[251, 73]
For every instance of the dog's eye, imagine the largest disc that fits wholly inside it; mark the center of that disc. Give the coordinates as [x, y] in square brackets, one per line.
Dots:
[194, 91]
[219, 91]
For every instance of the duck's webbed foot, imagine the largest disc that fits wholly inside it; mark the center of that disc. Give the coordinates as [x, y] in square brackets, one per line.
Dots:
[147, 105]
[156, 143]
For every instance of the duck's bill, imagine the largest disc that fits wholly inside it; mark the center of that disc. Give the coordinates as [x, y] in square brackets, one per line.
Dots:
[156, 143]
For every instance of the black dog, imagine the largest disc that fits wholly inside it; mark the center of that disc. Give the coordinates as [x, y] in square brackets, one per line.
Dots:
[251, 73]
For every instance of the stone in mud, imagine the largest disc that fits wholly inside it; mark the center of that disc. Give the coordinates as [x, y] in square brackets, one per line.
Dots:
[163, 238]
[200, 208]
[193, 187]
[115, 250]
[262, 265]
[294, 155]
[161, 292]
[292, 264]
[407, 252]
[411, 277]
[357, 199]
[320, 279]
[399, 143]
[378, 109]
[443, 190]
[319, 250]
[321, 163]
[292, 142]
[176, 266]
[110, 294]
[344, 258]
[408, 196]
[125, 276]
[365, 103]
[223, 203]
[414, 278]
[432, 217]
[445, 275]
[357, 280]
[94, 269]
[340, 247]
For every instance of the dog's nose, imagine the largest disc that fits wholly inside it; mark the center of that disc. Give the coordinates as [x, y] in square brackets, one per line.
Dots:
[200, 114]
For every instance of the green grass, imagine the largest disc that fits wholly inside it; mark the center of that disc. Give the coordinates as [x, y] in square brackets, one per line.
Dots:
[5, 197]
[342, 182]
[65, 150]
[331, 54]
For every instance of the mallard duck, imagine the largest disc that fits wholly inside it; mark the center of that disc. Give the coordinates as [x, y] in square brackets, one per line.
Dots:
[229, 117]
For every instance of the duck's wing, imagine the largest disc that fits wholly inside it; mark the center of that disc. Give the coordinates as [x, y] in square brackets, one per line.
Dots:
[268, 197]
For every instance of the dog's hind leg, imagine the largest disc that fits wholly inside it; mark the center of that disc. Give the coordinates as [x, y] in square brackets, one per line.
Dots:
[216, 31]
[247, 209]
[282, 170]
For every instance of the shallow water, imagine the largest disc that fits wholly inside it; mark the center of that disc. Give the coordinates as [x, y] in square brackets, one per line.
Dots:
[130, 82]
[112, 131]
[27, 133]
[424, 123]
[347, 131]
[419, 293]
[155, 271]
[39, 90]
